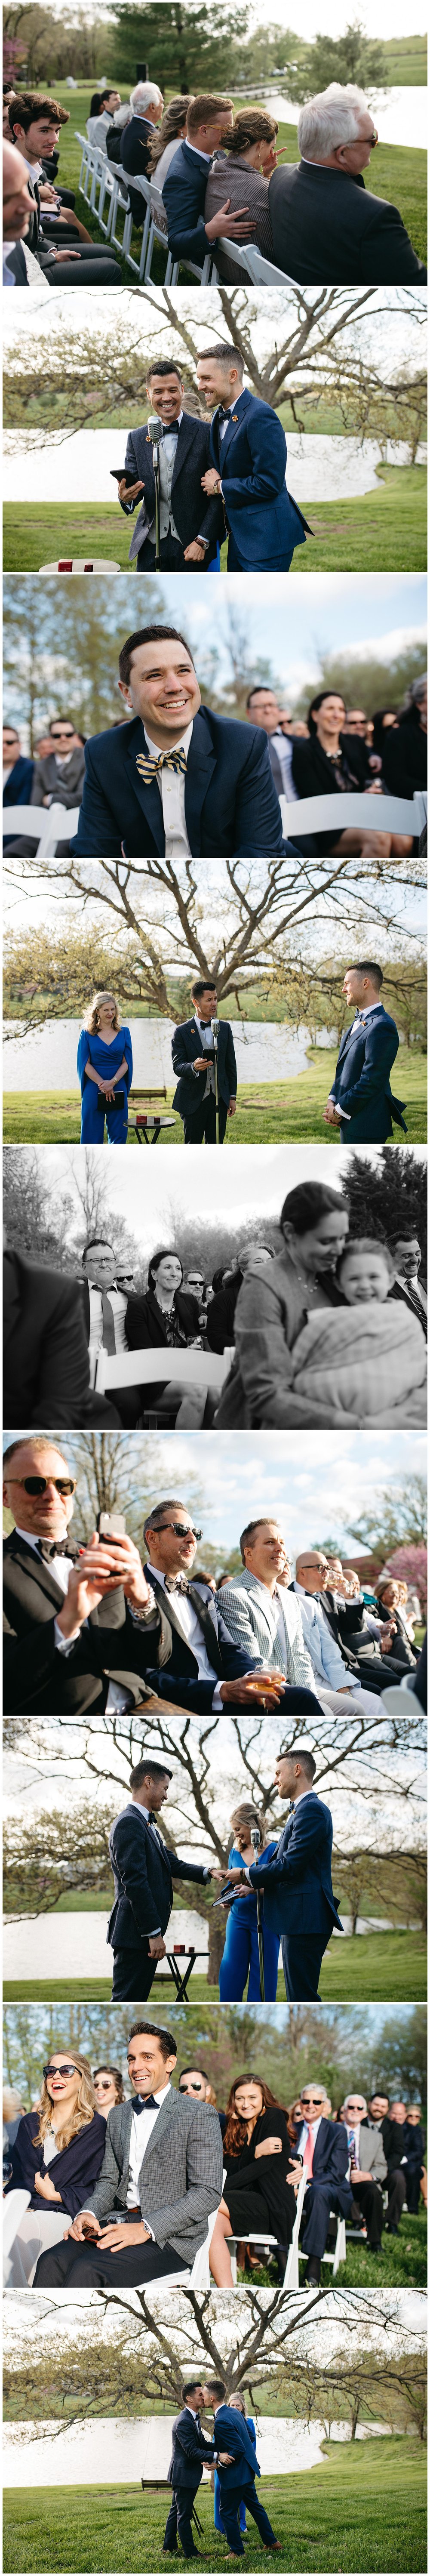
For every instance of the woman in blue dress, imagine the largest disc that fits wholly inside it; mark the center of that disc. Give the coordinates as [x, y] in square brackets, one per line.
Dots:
[105, 1068]
[239, 2404]
[240, 1954]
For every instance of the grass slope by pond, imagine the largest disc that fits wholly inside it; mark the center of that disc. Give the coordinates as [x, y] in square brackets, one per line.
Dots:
[278, 1112]
[347, 2512]
[377, 1967]
[399, 174]
[382, 531]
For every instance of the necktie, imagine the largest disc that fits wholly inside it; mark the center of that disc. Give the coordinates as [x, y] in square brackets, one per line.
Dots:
[108, 1334]
[308, 2155]
[149, 768]
[351, 2145]
[48, 1547]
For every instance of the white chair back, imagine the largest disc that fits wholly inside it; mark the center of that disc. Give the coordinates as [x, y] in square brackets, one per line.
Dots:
[45, 825]
[312, 814]
[14, 2207]
[263, 271]
[146, 1368]
[198, 2278]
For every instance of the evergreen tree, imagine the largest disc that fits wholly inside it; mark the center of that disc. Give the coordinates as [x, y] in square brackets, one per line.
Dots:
[188, 48]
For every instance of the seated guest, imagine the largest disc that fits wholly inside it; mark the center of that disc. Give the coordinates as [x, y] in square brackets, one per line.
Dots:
[381, 722]
[178, 780]
[323, 2148]
[272, 1308]
[105, 1067]
[407, 1283]
[416, 2176]
[388, 1595]
[183, 1638]
[17, 774]
[144, 1868]
[367, 2169]
[169, 1317]
[57, 2157]
[327, 228]
[147, 104]
[58, 779]
[220, 1321]
[45, 1358]
[368, 1653]
[191, 233]
[405, 751]
[193, 1065]
[262, 708]
[149, 2212]
[195, 2081]
[241, 172]
[190, 522]
[261, 1614]
[240, 1967]
[108, 2088]
[334, 763]
[248, 456]
[102, 110]
[366, 1364]
[70, 1640]
[19, 266]
[58, 241]
[261, 2172]
[392, 2125]
[332, 1673]
[164, 141]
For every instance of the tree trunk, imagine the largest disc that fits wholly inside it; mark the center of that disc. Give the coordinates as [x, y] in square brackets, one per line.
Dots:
[216, 1946]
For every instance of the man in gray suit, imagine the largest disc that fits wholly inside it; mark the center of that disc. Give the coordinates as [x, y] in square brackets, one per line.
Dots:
[161, 2176]
[58, 780]
[368, 2168]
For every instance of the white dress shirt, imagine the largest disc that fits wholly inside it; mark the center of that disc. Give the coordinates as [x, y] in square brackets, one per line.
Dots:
[118, 1302]
[7, 773]
[285, 747]
[189, 1625]
[171, 784]
[143, 2123]
[118, 1697]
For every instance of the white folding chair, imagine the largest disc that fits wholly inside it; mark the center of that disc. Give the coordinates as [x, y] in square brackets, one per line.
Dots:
[145, 1368]
[87, 158]
[119, 204]
[14, 2207]
[46, 825]
[313, 814]
[198, 2278]
[339, 2253]
[141, 188]
[291, 2274]
[60, 824]
[158, 233]
[263, 271]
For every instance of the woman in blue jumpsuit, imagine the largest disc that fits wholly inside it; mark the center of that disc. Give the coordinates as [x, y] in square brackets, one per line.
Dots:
[250, 2427]
[240, 1954]
[105, 1064]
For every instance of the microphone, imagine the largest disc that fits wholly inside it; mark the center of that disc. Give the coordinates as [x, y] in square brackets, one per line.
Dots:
[255, 1838]
[215, 1032]
[156, 432]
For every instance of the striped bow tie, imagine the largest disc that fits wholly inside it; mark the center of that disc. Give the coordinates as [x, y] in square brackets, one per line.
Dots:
[166, 760]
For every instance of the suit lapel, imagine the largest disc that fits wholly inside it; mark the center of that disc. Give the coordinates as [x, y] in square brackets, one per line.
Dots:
[11, 1297]
[37, 1566]
[160, 2124]
[208, 1625]
[166, 1603]
[148, 797]
[183, 442]
[200, 768]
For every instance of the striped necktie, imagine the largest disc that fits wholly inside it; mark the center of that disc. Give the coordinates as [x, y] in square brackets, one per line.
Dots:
[149, 768]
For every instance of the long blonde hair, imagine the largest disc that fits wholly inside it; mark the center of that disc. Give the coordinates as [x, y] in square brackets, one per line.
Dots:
[174, 116]
[84, 2110]
[92, 1020]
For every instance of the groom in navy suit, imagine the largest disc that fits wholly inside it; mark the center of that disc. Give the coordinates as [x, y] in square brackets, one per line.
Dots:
[361, 1103]
[193, 1062]
[179, 780]
[298, 1901]
[237, 2468]
[248, 461]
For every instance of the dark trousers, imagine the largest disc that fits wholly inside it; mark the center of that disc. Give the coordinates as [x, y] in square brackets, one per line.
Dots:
[238, 563]
[231, 2499]
[413, 2194]
[199, 1124]
[171, 553]
[301, 1961]
[369, 2198]
[179, 2520]
[320, 2199]
[132, 1975]
[97, 270]
[396, 2180]
[83, 2267]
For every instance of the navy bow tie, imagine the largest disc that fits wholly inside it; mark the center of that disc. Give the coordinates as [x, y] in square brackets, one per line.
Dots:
[222, 414]
[171, 428]
[149, 2103]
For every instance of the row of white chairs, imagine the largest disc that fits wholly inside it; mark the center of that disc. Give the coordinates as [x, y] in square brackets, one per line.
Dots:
[309, 816]
[101, 180]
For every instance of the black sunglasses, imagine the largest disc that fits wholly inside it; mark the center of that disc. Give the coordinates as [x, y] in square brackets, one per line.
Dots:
[193, 2088]
[59, 2070]
[179, 1530]
[39, 1484]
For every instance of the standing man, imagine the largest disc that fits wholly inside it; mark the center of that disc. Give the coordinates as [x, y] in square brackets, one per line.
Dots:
[143, 1868]
[407, 1283]
[189, 2453]
[190, 524]
[248, 465]
[193, 1058]
[160, 2180]
[298, 1901]
[238, 2468]
[361, 1104]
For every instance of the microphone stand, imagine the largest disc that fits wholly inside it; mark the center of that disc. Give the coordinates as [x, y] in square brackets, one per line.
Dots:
[215, 1028]
[255, 1839]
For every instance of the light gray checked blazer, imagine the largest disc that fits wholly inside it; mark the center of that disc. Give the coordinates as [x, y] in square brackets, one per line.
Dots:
[250, 1614]
[180, 2180]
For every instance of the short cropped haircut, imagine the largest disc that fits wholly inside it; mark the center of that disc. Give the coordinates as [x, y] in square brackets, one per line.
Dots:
[307, 1761]
[366, 966]
[38, 1440]
[32, 103]
[146, 1769]
[203, 109]
[148, 635]
[216, 2389]
[153, 1518]
[198, 2070]
[248, 1533]
[188, 2389]
[227, 354]
[163, 367]
[207, 984]
[151, 2029]
[262, 690]
[9, 728]
[330, 118]
[97, 1238]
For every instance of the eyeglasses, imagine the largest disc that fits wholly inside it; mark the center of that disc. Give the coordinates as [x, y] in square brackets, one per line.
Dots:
[372, 139]
[312, 2097]
[192, 2088]
[59, 2070]
[181, 1529]
[350, 2105]
[100, 2086]
[63, 733]
[39, 1484]
[314, 1564]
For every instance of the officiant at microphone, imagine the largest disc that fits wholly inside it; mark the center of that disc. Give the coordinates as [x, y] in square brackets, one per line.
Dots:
[190, 522]
[193, 1061]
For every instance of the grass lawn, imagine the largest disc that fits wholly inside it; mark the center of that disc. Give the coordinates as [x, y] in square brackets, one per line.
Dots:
[377, 1967]
[336, 2513]
[400, 175]
[278, 1112]
[382, 531]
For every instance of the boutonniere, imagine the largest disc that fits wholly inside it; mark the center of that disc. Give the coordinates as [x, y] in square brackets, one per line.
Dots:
[234, 418]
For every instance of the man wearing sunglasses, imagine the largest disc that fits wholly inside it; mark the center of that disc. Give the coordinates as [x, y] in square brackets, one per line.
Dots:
[187, 1652]
[323, 2147]
[71, 1641]
[328, 229]
[58, 780]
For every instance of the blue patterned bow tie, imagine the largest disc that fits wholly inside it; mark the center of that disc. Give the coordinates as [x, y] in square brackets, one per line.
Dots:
[149, 768]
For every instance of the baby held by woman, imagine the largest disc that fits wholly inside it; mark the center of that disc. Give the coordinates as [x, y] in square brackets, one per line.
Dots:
[366, 1360]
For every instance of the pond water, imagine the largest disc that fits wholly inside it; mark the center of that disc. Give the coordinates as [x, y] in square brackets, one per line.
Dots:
[400, 116]
[45, 1060]
[108, 2449]
[319, 468]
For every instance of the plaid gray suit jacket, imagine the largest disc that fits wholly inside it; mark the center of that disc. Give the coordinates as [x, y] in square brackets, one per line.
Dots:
[180, 2180]
[250, 1614]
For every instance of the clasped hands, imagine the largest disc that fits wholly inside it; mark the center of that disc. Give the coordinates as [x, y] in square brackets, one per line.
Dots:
[86, 2230]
